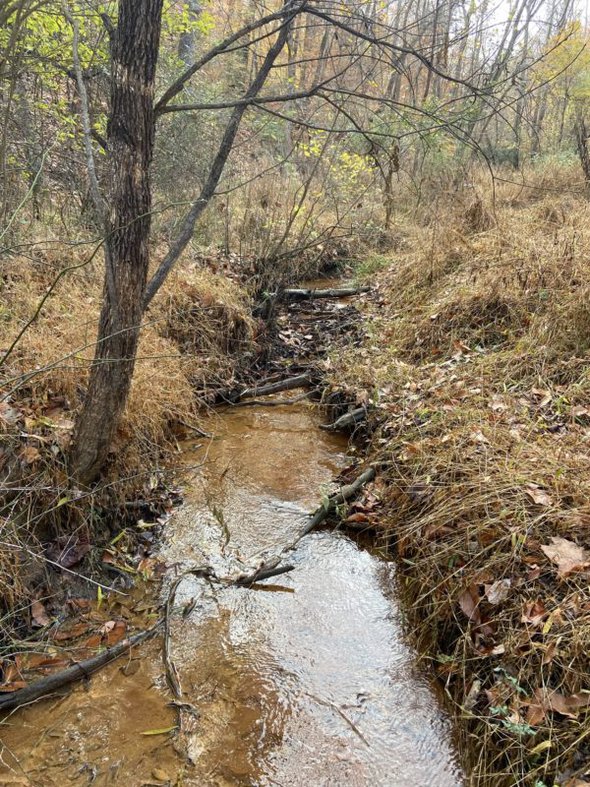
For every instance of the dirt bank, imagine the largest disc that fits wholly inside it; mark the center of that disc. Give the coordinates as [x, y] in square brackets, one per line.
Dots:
[474, 369]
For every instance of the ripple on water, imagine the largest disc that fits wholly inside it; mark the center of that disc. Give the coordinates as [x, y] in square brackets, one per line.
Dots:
[311, 683]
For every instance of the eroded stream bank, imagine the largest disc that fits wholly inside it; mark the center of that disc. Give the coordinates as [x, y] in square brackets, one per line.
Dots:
[306, 680]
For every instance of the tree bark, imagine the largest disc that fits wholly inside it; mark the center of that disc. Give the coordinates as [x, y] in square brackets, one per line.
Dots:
[130, 144]
[582, 137]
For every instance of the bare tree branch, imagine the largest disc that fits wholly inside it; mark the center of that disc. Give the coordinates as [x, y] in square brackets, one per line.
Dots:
[223, 152]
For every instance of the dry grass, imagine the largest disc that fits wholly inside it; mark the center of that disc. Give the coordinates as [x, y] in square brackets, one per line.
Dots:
[198, 331]
[478, 362]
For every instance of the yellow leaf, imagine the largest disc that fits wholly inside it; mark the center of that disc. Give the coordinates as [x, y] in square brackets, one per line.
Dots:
[543, 746]
[161, 731]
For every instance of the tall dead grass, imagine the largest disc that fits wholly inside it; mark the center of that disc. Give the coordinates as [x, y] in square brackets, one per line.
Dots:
[196, 334]
[478, 363]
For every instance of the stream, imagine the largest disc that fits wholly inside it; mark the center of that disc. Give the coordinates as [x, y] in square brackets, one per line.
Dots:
[305, 679]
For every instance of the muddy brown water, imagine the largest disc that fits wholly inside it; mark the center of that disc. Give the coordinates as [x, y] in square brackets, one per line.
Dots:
[303, 680]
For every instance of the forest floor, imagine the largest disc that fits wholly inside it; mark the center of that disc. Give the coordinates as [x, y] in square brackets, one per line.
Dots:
[471, 367]
[474, 373]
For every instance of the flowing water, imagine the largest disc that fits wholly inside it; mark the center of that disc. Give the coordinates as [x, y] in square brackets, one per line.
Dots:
[301, 680]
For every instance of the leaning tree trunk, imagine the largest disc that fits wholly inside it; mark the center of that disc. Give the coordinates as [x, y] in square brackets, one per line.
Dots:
[134, 55]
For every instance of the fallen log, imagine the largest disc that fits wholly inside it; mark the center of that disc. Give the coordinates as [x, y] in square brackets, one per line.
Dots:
[344, 493]
[300, 381]
[78, 671]
[310, 294]
[347, 420]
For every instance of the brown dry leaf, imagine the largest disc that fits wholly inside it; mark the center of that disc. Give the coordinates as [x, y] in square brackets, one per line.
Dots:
[95, 641]
[71, 632]
[39, 614]
[83, 604]
[542, 395]
[11, 672]
[545, 701]
[44, 661]
[498, 591]
[567, 556]
[539, 496]
[536, 708]
[359, 518]
[9, 414]
[534, 612]
[6, 688]
[30, 454]
[550, 652]
[114, 631]
[469, 601]
[67, 551]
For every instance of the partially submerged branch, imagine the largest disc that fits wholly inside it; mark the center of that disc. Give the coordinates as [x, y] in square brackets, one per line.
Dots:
[79, 671]
[347, 420]
[344, 494]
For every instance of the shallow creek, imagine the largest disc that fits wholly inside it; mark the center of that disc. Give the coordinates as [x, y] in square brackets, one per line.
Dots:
[301, 680]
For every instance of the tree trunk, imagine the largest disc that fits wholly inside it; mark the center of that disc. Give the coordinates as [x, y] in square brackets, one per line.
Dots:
[130, 143]
[581, 133]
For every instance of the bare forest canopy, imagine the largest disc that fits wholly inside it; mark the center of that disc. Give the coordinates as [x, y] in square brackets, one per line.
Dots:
[146, 132]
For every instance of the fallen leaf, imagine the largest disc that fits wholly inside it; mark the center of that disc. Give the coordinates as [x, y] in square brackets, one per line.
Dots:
[114, 631]
[67, 552]
[538, 495]
[160, 775]
[358, 519]
[478, 436]
[469, 601]
[9, 414]
[30, 454]
[71, 632]
[542, 395]
[161, 731]
[567, 556]
[43, 661]
[498, 591]
[545, 701]
[471, 699]
[550, 652]
[534, 613]
[540, 747]
[80, 603]
[7, 688]
[39, 614]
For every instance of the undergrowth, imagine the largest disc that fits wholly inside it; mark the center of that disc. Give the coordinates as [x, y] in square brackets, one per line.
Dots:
[477, 366]
[196, 336]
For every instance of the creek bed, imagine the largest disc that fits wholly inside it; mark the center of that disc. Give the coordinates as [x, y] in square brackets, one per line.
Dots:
[304, 679]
